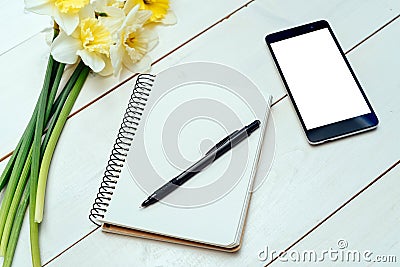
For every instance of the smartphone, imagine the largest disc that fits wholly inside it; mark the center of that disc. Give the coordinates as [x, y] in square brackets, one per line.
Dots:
[320, 82]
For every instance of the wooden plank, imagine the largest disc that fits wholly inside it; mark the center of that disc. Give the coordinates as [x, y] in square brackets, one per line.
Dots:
[23, 67]
[351, 20]
[367, 228]
[18, 25]
[305, 184]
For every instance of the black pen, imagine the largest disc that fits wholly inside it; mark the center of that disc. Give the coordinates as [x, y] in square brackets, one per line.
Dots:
[212, 155]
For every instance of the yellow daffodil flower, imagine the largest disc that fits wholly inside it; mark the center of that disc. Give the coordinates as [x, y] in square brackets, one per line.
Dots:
[133, 42]
[114, 18]
[159, 8]
[65, 12]
[113, 12]
[91, 42]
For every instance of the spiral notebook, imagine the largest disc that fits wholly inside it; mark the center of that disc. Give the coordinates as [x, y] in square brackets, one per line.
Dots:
[171, 120]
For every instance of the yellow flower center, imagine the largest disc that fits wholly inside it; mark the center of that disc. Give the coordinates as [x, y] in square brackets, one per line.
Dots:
[130, 41]
[70, 6]
[136, 45]
[95, 37]
[158, 7]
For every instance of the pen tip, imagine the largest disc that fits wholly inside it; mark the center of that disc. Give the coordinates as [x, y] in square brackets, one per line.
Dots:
[252, 126]
[140, 207]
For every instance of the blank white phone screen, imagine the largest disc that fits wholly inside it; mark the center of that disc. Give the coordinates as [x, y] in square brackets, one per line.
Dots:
[317, 75]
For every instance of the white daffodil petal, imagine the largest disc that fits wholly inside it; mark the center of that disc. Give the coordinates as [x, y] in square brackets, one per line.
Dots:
[87, 12]
[150, 36]
[108, 69]
[129, 5]
[113, 21]
[139, 18]
[49, 35]
[99, 5]
[169, 19]
[136, 18]
[67, 22]
[114, 12]
[142, 65]
[43, 7]
[116, 54]
[91, 59]
[64, 48]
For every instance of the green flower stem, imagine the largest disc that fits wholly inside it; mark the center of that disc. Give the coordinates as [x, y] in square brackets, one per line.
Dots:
[36, 159]
[34, 234]
[56, 31]
[54, 88]
[28, 133]
[4, 234]
[7, 171]
[59, 103]
[18, 162]
[21, 156]
[48, 154]
[67, 89]
[15, 163]
[5, 176]
[54, 71]
[55, 111]
[14, 204]
[16, 228]
[12, 184]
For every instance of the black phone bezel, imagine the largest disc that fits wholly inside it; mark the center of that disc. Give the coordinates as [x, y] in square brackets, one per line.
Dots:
[334, 130]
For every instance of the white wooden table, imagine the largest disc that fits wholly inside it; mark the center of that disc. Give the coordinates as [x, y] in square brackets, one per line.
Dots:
[347, 190]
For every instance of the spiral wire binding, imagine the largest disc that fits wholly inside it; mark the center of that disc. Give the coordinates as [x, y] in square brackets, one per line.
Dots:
[126, 133]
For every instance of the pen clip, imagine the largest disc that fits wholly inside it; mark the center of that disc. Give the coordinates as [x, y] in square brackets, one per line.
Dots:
[220, 143]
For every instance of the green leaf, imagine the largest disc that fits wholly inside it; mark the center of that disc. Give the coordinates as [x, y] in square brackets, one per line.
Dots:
[16, 228]
[5, 176]
[60, 101]
[36, 159]
[20, 159]
[14, 204]
[54, 88]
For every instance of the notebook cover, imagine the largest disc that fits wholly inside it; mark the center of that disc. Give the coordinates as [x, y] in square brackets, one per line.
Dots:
[141, 234]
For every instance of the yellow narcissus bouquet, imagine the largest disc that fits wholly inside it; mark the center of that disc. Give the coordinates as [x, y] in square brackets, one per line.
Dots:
[102, 36]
